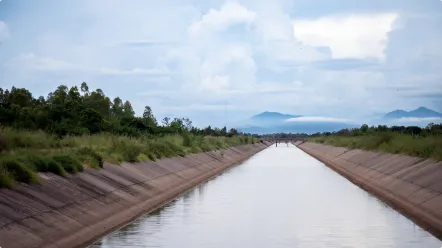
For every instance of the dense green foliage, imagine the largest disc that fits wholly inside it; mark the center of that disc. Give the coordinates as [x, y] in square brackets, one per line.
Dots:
[72, 128]
[70, 111]
[415, 141]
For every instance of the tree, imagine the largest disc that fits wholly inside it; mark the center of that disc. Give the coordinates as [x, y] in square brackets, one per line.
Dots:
[77, 110]
[187, 123]
[364, 128]
[92, 120]
[84, 89]
[19, 96]
[232, 132]
[58, 97]
[165, 121]
[177, 125]
[117, 108]
[98, 101]
[128, 110]
[208, 130]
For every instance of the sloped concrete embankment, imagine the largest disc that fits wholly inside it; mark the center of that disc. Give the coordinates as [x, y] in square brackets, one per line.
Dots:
[75, 211]
[411, 185]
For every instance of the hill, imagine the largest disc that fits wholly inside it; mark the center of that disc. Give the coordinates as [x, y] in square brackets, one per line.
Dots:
[420, 112]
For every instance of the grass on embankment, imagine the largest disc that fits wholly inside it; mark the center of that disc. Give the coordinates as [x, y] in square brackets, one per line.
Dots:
[426, 147]
[23, 153]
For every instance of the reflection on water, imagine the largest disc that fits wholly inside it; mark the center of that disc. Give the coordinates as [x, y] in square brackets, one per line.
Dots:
[279, 198]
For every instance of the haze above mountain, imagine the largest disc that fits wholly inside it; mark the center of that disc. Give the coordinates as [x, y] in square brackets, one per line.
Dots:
[275, 122]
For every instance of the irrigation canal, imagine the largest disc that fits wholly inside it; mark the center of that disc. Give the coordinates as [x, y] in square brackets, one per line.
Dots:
[281, 197]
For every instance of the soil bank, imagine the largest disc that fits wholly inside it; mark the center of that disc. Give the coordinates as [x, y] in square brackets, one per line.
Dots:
[411, 185]
[79, 209]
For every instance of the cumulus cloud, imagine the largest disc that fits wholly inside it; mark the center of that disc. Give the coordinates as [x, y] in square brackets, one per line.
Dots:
[348, 36]
[280, 55]
[32, 62]
[136, 71]
[214, 20]
[318, 119]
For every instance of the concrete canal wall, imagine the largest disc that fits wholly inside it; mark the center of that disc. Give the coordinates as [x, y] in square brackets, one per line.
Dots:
[77, 210]
[411, 185]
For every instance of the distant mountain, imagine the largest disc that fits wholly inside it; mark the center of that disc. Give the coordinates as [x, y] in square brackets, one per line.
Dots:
[274, 122]
[421, 112]
[396, 114]
[273, 115]
[298, 127]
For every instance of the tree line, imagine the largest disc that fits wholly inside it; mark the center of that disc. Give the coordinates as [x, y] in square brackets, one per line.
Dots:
[79, 111]
[431, 129]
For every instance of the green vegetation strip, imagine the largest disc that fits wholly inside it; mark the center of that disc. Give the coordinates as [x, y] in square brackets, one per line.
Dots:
[34, 152]
[420, 146]
[73, 128]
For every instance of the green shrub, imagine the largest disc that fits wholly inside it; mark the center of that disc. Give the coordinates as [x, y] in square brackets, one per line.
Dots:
[70, 164]
[152, 157]
[18, 170]
[38, 162]
[56, 168]
[88, 155]
[142, 157]
[187, 140]
[6, 178]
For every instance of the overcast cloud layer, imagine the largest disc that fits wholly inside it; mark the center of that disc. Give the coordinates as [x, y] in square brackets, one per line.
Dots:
[215, 60]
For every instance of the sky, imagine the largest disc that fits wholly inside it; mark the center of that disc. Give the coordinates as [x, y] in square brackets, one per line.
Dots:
[219, 61]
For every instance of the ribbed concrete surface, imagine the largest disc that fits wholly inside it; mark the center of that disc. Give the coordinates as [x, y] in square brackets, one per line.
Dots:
[74, 211]
[411, 185]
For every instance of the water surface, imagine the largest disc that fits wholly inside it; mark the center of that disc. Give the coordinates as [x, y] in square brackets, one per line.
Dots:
[281, 197]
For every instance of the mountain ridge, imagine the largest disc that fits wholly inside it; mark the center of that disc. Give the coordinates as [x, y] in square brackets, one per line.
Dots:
[270, 114]
[275, 122]
[421, 112]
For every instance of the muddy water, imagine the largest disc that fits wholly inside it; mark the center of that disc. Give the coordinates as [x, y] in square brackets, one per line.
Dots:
[281, 197]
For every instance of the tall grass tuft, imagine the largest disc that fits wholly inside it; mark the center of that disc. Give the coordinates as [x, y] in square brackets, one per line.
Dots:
[69, 163]
[19, 171]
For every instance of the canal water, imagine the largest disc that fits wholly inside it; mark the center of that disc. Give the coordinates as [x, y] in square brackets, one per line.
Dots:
[281, 197]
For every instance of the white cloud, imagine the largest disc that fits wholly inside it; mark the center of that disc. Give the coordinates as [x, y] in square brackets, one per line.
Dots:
[232, 66]
[417, 120]
[247, 53]
[135, 71]
[216, 20]
[4, 31]
[32, 62]
[348, 36]
[317, 119]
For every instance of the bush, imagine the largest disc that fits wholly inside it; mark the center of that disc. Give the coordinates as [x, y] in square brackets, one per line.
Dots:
[142, 157]
[70, 164]
[152, 157]
[88, 155]
[18, 170]
[6, 178]
[38, 163]
[187, 140]
[56, 168]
